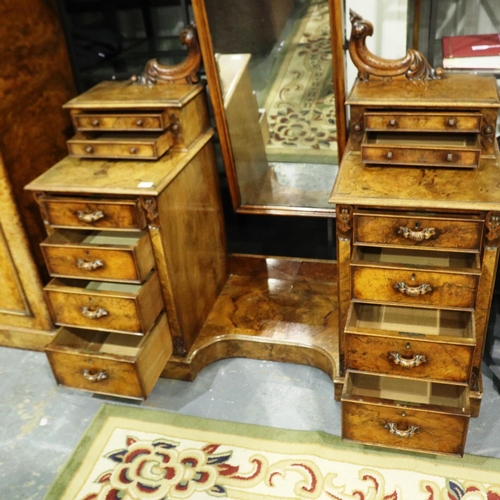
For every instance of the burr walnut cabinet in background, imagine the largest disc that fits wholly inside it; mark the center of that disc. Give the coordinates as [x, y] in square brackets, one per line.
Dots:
[35, 81]
[418, 235]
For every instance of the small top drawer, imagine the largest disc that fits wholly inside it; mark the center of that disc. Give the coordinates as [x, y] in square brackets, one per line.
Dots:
[422, 122]
[126, 122]
[90, 213]
[446, 232]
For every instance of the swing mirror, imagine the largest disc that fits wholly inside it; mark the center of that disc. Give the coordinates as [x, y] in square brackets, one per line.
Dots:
[275, 71]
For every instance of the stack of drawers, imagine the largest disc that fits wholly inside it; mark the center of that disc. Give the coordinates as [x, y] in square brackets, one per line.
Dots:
[417, 256]
[106, 294]
[113, 228]
[123, 120]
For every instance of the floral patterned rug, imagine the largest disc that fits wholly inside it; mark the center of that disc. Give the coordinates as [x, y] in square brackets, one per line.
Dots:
[133, 453]
[300, 105]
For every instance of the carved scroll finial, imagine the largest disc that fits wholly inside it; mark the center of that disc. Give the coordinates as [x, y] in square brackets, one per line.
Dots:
[185, 72]
[413, 65]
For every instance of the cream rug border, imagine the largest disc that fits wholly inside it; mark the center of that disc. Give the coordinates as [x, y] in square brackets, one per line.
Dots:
[249, 436]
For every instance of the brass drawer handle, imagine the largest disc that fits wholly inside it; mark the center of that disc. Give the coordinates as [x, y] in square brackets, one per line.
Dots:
[94, 377]
[452, 122]
[89, 149]
[416, 360]
[421, 235]
[393, 123]
[450, 157]
[95, 122]
[89, 265]
[408, 433]
[89, 313]
[133, 150]
[139, 122]
[389, 155]
[90, 216]
[412, 291]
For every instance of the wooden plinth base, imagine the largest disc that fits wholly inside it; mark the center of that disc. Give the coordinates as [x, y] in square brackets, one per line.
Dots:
[275, 309]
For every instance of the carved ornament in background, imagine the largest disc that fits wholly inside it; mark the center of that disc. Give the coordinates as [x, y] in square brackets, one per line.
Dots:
[413, 66]
[185, 72]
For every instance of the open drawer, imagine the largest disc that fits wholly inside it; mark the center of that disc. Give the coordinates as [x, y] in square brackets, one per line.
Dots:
[405, 413]
[415, 276]
[110, 363]
[410, 341]
[99, 255]
[453, 150]
[101, 305]
[114, 145]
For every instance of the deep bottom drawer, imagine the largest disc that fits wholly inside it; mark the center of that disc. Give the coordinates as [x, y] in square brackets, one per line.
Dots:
[108, 363]
[405, 413]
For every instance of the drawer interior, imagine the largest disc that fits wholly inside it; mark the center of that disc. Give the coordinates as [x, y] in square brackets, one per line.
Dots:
[360, 385]
[422, 139]
[95, 238]
[415, 257]
[117, 137]
[97, 343]
[91, 286]
[411, 320]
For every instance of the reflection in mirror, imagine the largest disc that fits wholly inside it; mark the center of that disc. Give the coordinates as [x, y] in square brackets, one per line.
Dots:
[274, 59]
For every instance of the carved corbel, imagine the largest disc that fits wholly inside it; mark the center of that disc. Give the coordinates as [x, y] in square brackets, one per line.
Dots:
[492, 222]
[413, 66]
[344, 218]
[151, 208]
[185, 72]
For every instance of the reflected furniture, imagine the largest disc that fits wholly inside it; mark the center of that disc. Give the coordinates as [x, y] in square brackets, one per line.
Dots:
[251, 191]
[418, 241]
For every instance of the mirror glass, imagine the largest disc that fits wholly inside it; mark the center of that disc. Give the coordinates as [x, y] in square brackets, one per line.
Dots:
[274, 60]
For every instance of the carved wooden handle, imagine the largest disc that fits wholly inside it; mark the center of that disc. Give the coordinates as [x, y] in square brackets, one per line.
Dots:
[89, 266]
[94, 377]
[412, 291]
[90, 216]
[416, 360]
[420, 235]
[407, 433]
[94, 313]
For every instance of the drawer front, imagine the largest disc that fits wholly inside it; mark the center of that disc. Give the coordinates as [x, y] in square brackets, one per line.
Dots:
[119, 311]
[156, 122]
[418, 232]
[426, 288]
[110, 363]
[436, 432]
[86, 213]
[108, 262]
[442, 157]
[125, 146]
[422, 122]
[411, 358]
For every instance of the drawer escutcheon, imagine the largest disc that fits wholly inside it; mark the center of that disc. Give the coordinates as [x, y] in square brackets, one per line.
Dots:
[416, 360]
[420, 235]
[407, 433]
[89, 266]
[94, 377]
[412, 291]
[94, 313]
[90, 216]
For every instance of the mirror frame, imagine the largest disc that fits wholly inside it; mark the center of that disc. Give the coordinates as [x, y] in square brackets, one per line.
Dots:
[337, 31]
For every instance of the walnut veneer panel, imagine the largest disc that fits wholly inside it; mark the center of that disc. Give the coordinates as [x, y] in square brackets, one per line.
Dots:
[36, 81]
[417, 188]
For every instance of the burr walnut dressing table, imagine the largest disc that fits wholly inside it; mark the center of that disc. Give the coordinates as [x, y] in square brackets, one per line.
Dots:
[418, 204]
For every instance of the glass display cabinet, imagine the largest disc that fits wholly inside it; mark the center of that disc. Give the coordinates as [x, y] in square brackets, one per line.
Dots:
[275, 70]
